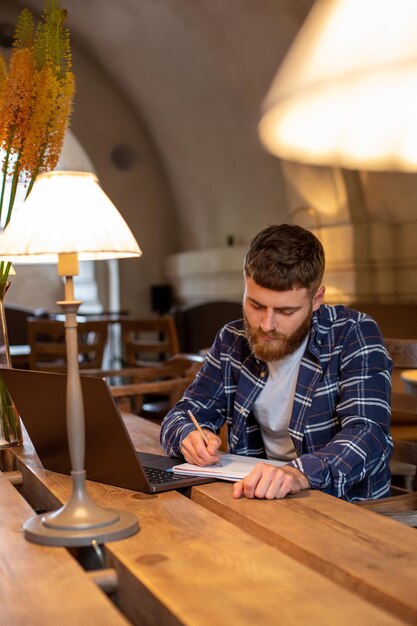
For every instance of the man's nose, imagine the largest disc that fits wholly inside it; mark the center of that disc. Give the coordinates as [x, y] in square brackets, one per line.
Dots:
[268, 322]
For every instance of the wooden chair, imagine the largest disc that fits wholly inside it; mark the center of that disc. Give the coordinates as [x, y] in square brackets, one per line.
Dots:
[176, 366]
[47, 344]
[404, 406]
[404, 357]
[403, 507]
[16, 322]
[152, 396]
[394, 320]
[139, 393]
[151, 391]
[148, 341]
[198, 324]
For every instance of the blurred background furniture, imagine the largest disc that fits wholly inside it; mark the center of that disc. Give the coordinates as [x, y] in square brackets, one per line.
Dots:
[17, 332]
[394, 320]
[198, 324]
[137, 397]
[147, 341]
[402, 507]
[48, 349]
[404, 357]
[151, 391]
[403, 403]
[403, 411]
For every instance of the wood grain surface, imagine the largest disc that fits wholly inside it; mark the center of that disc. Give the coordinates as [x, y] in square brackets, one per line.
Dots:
[43, 586]
[189, 566]
[374, 556]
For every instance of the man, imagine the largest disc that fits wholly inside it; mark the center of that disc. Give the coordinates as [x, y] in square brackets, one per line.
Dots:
[295, 380]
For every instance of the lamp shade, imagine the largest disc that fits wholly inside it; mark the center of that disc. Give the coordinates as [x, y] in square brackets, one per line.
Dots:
[346, 93]
[67, 212]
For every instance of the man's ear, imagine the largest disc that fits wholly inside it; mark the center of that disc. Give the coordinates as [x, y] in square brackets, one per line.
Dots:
[318, 297]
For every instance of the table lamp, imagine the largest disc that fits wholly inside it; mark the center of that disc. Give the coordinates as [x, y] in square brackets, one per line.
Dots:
[346, 92]
[68, 218]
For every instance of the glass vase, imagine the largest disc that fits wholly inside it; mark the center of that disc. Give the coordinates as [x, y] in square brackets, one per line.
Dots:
[10, 427]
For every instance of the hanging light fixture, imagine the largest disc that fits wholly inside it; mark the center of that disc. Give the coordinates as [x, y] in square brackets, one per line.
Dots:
[346, 93]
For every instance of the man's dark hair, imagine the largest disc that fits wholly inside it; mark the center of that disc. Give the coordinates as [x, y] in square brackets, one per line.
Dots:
[285, 256]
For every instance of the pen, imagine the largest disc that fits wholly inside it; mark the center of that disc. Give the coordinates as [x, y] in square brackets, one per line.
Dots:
[197, 425]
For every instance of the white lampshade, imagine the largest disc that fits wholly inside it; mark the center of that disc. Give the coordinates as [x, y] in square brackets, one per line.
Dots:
[67, 212]
[346, 93]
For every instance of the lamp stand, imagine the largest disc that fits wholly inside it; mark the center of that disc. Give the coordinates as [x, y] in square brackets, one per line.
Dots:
[80, 520]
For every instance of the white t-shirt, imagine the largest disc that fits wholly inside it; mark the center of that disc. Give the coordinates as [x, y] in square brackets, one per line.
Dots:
[273, 406]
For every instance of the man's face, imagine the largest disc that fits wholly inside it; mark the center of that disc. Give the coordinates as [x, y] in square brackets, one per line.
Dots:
[277, 322]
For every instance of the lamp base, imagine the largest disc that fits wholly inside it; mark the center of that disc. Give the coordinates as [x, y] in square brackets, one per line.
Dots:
[37, 531]
[80, 521]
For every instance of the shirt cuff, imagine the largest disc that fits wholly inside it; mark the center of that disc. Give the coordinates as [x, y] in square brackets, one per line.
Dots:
[313, 468]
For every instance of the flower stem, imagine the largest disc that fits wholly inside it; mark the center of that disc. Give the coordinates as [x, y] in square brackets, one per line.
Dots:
[13, 190]
[5, 168]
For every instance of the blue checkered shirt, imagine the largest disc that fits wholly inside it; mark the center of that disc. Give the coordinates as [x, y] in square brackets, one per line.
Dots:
[341, 412]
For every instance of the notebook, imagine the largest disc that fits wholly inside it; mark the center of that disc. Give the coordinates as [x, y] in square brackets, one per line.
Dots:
[231, 467]
[110, 458]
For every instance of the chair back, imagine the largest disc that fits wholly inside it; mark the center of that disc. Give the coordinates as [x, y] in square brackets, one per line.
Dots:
[16, 320]
[152, 391]
[403, 399]
[406, 452]
[403, 352]
[171, 389]
[394, 320]
[148, 341]
[198, 324]
[17, 332]
[48, 348]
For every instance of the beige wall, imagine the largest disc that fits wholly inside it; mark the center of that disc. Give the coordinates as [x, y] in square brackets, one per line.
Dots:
[368, 225]
[103, 120]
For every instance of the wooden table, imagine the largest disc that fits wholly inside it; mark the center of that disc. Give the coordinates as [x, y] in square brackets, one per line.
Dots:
[190, 565]
[40, 585]
[373, 556]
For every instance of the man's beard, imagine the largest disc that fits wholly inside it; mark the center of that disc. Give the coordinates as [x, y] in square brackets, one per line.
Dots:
[281, 345]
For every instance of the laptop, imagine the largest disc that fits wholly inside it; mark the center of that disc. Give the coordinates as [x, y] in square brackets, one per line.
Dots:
[40, 398]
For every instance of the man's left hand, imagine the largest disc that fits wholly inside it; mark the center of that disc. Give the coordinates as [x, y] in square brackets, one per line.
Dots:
[270, 482]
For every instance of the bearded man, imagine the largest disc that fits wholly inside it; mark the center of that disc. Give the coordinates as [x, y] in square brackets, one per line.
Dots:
[295, 380]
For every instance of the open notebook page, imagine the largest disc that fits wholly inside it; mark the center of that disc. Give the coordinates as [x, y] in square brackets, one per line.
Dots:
[231, 467]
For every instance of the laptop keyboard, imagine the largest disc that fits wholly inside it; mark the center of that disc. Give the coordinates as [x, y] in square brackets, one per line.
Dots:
[158, 476]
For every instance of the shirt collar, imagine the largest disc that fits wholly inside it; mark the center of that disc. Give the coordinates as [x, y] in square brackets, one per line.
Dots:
[320, 326]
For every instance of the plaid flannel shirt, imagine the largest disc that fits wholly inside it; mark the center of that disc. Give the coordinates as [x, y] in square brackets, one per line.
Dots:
[341, 413]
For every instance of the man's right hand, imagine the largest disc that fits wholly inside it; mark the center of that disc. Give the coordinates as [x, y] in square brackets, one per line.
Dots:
[197, 452]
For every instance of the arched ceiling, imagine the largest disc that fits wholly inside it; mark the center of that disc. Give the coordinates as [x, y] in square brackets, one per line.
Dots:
[190, 76]
[196, 73]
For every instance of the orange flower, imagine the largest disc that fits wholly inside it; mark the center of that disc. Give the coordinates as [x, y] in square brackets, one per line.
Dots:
[17, 99]
[35, 99]
[48, 123]
[61, 115]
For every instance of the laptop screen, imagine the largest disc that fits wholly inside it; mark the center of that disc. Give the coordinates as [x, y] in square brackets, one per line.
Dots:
[110, 457]
[40, 398]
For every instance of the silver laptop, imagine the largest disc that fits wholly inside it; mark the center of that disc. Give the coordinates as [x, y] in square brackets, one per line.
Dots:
[40, 398]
